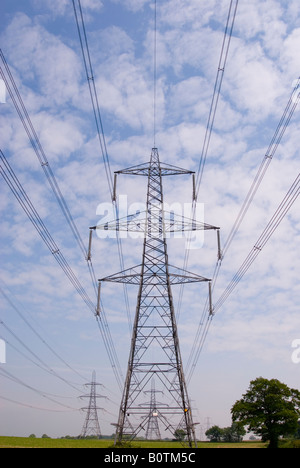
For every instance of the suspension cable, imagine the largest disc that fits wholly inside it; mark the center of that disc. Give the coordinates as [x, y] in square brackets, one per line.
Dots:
[79, 17]
[18, 191]
[268, 157]
[217, 89]
[273, 224]
[17, 310]
[36, 144]
[210, 123]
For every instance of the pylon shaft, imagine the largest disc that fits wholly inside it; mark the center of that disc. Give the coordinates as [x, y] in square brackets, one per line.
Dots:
[155, 345]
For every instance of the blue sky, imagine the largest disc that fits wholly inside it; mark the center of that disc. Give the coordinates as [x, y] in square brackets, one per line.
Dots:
[252, 334]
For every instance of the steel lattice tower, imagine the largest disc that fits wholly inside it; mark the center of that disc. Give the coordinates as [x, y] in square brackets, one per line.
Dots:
[91, 426]
[153, 431]
[155, 348]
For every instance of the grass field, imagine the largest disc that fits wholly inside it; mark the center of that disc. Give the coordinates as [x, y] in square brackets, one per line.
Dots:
[24, 442]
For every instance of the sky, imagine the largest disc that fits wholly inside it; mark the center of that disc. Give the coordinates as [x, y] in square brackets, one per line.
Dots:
[53, 342]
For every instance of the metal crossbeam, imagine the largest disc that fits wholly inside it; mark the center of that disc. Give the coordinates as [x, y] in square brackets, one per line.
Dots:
[138, 223]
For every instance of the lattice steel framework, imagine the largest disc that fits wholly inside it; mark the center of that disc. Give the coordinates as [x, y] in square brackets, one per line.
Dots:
[155, 348]
[91, 426]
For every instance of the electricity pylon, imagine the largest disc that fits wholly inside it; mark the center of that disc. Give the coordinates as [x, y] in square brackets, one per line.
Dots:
[155, 348]
[91, 426]
[153, 431]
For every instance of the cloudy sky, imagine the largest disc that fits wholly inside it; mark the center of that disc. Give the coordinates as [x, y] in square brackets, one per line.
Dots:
[53, 341]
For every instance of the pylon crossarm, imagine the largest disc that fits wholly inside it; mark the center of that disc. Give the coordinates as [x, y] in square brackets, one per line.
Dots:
[153, 276]
[163, 169]
[138, 222]
[129, 276]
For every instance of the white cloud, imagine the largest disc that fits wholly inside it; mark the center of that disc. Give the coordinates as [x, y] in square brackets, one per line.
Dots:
[288, 54]
[179, 14]
[133, 5]
[60, 136]
[62, 7]
[51, 67]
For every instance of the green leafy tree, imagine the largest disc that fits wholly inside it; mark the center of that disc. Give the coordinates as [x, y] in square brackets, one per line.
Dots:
[234, 433]
[214, 434]
[179, 434]
[270, 409]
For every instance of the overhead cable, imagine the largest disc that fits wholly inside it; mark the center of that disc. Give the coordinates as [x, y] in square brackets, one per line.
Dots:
[17, 189]
[217, 89]
[93, 90]
[266, 161]
[36, 144]
[17, 310]
[79, 17]
[41, 393]
[273, 224]
[40, 153]
[39, 362]
[228, 32]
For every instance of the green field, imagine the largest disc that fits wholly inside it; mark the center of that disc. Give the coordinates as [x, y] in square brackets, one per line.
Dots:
[24, 442]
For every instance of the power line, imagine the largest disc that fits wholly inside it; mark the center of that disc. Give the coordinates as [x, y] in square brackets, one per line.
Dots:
[14, 184]
[273, 224]
[34, 407]
[42, 364]
[39, 151]
[17, 310]
[217, 89]
[228, 32]
[36, 144]
[41, 393]
[82, 33]
[277, 137]
[93, 90]
[205, 321]
[17, 189]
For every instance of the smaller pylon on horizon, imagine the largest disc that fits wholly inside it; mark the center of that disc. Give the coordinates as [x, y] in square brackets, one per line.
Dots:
[91, 426]
[153, 431]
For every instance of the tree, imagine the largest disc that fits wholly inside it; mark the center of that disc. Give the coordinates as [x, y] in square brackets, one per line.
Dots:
[234, 433]
[270, 409]
[179, 434]
[214, 434]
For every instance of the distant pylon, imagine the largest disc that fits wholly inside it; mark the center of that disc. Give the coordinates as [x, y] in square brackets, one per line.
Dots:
[153, 431]
[91, 426]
